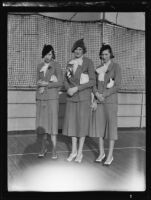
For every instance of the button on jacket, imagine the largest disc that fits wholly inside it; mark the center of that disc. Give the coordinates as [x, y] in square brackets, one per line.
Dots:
[51, 91]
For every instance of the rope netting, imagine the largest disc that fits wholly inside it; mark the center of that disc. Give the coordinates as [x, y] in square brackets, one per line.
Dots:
[28, 33]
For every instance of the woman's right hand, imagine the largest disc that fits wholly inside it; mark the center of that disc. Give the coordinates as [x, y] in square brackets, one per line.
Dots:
[99, 96]
[94, 105]
[42, 83]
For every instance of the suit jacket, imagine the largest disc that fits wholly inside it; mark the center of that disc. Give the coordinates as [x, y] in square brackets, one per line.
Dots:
[84, 90]
[110, 94]
[52, 90]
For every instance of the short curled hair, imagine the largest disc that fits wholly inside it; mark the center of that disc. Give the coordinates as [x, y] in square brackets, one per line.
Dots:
[47, 49]
[106, 47]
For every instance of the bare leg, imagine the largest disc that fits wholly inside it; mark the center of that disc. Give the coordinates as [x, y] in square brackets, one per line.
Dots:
[80, 155]
[54, 141]
[81, 143]
[43, 149]
[74, 149]
[101, 150]
[74, 145]
[111, 147]
[101, 146]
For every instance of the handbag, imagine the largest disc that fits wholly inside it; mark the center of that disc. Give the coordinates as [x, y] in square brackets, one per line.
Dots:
[84, 78]
[53, 79]
[110, 84]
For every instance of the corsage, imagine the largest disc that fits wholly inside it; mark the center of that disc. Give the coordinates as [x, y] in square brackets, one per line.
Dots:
[69, 72]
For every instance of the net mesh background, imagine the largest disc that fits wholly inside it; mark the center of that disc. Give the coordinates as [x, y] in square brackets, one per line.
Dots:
[27, 35]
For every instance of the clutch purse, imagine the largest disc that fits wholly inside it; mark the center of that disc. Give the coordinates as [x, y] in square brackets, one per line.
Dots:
[53, 79]
[110, 84]
[84, 78]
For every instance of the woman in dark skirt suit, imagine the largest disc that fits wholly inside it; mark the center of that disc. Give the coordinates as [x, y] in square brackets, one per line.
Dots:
[79, 80]
[104, 116]
[49, 80]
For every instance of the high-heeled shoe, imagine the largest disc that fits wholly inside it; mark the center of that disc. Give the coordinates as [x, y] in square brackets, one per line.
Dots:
[54, 154]
[71, 157]
[79, 158]
[100, 158]
[108, 163]
[43, 149]
[42, 153]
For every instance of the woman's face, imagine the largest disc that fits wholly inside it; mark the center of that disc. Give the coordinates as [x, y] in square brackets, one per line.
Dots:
[48, 57]
[106, 56]
[78, 52]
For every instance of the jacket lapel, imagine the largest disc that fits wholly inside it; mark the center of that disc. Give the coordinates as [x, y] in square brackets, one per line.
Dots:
[106, 78]
[50, 71]
[79, 70]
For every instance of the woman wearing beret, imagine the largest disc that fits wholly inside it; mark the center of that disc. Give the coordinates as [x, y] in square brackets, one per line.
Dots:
[49, 80]
[104, 116]
[79, 80]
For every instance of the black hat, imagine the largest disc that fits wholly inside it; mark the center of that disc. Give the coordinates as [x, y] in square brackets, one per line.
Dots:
[79, 43]
[47, 49]
[106, 47]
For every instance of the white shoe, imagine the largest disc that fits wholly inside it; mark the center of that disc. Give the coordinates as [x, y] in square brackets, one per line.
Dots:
[42, 153]
[100, 158]
[71, 157]
[109, 162]
[79, 158]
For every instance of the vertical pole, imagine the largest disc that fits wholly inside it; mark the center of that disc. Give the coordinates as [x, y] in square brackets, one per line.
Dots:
[103, 16]
[66, 43]
[141, 116]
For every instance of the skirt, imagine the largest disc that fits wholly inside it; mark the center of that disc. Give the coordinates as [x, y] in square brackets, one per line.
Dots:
[77, 119]
[47, 116]
[103, 122]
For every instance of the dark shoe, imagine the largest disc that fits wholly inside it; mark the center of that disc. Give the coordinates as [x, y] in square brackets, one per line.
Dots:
[108, 163]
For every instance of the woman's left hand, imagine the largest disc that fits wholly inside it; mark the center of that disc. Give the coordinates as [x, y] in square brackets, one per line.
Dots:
[94, 105]
[73, 90]
[99, 96]
[42, 83]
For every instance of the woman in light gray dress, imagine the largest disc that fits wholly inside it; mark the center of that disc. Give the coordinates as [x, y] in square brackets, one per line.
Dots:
[79, 80]
[49, 80]
[104, 117]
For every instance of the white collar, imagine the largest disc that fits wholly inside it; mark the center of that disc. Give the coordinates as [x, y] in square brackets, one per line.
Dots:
[76, 62]
[44, 68]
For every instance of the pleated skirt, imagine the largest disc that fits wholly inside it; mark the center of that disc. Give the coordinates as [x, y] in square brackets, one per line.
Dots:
[103, 122]
[47, 116]
[77, 119]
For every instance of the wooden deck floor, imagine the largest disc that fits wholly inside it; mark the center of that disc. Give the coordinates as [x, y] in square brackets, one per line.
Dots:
[26, 172]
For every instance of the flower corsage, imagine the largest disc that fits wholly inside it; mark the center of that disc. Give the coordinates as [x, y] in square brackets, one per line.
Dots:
[69, 71]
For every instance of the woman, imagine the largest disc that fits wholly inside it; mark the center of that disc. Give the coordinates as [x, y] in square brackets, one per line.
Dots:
[79, 80]
[49, 80]
[104, 116]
